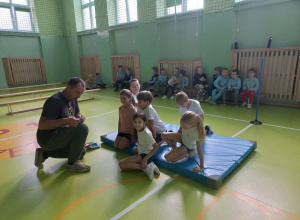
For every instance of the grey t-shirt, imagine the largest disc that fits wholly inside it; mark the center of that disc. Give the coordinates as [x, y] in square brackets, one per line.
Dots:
[57, 107]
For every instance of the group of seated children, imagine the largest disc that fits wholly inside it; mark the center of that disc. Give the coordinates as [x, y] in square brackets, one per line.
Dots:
[94, 83]
[123, 78]
[176, 83]
[223, 85]
[138, 121]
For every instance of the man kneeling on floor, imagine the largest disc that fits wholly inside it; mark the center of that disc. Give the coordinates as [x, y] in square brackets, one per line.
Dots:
[62, 132]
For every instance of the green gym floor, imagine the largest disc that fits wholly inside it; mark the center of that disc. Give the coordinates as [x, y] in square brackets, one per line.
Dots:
[265, 186]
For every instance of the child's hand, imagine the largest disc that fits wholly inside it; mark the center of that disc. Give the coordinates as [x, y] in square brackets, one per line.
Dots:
[134, 151]
[201, 86]
[198, 169]
[144, 163]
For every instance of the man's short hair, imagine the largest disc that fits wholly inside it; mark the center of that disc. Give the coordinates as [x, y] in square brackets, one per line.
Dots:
[181, 98]
[74, 81]
[145, 96]
[236, 71]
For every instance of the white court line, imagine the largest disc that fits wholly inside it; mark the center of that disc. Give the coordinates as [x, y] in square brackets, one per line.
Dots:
[18, 135]
[35, 131]
[295, 129]
[142, 199]
[241, 131]
[156, 189]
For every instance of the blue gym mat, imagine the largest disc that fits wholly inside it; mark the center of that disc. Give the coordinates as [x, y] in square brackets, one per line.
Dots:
[221, 156]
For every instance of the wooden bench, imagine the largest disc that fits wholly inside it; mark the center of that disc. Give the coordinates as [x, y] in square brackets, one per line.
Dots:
[10, 104]
[33, 86]
[30, 92]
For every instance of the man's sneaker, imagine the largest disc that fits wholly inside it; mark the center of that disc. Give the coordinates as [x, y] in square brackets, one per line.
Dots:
[172, 97]
[208, 129]
[83, 152]
[155, 95]
[192, 153]
[39, 159]
[249, 106]
[164, 97]
[156, 170]
[149, 171]
[244, 104]
[208, 99]
[78, 167]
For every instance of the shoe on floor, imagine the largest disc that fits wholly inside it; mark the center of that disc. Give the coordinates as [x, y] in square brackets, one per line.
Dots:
[244, 104]
[149, 171]
[249, 106]
[202, 99]
[164, 97]
[208, 129]
[208, 99]
[156, 170]
[212, 103]
[222, 104]
[78, 167]
[172, 97]
[39, 159]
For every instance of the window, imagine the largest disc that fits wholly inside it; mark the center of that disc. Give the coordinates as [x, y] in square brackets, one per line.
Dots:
[88, 14]
[126, 11]
[177, 6]
[15, 15]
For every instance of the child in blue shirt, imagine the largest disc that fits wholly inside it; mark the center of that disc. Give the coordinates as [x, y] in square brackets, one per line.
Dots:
[172, 84]
[99, 82]
[153, 79]
[161, 81]
[220, 84]
[183, 82]
[217, 73]
[233, 86]
[120, 78]
[128, 77]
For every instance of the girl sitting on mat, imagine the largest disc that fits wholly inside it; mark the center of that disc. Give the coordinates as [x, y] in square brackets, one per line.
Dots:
[125, 126]
[193, 134]
[146, 148]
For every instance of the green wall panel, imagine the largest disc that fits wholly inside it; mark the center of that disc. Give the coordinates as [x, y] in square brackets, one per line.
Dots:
[217, 40]
[56, 58]
[73, 55]
[280, 21]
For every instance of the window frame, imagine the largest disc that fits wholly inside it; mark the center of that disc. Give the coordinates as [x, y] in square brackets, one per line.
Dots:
[89, 5]
[184, 10]
[127, 13]
[13, 8]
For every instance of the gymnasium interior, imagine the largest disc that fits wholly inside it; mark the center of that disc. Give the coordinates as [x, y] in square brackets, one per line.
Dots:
[44, 43]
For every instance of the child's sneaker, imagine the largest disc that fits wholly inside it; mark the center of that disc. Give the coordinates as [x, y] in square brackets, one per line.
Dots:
[172, 97]
[222, 104]
[164, 97]
[155, 95]
[249, 106]
[192, 153]
[212, 103]
[149, 171]
[202, 99]
[156, 170]
[244, 104]
[208, 99]
[78, 167]
[39, 159]
[208, 129]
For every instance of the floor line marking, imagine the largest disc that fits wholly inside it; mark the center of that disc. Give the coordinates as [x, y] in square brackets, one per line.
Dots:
[17, 135]
[295, 129]
[142, 199]
[35, 131]
[241, 131]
